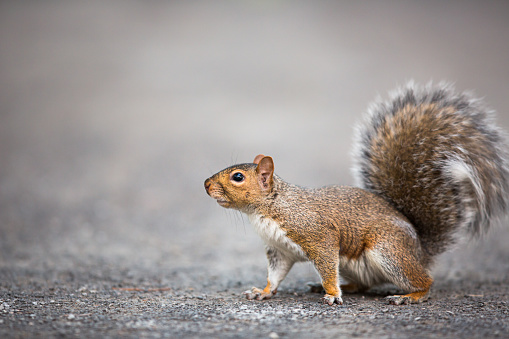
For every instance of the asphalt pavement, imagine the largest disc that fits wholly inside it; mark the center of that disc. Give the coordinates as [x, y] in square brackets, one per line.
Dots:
[112, 114]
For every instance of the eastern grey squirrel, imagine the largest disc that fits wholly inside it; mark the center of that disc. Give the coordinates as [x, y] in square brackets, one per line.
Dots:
[428, 163]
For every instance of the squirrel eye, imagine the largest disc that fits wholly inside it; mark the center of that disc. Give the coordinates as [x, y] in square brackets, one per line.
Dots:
[238, 177]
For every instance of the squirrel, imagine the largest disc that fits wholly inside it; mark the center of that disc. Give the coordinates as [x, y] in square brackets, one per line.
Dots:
[428, 163]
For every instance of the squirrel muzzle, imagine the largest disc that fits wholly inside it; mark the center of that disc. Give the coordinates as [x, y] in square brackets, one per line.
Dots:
[215, 191]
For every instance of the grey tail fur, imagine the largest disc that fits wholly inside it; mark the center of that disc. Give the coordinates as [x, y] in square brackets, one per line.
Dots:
[439, 158]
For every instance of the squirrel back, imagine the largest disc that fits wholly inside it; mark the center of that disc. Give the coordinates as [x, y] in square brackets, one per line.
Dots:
[438, 158]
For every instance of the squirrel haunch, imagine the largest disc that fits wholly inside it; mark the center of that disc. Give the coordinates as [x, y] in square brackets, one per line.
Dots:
[427, 163]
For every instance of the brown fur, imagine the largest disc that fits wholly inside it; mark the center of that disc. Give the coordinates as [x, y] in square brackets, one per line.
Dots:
[428, 162]
[327, 223]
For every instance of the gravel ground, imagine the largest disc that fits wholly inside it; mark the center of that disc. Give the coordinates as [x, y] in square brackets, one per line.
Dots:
[112, 115]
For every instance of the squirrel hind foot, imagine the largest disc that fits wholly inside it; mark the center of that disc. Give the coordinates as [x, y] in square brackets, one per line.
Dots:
[411, 298]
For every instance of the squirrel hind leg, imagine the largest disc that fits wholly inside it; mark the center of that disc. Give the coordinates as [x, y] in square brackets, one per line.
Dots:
[401, 266]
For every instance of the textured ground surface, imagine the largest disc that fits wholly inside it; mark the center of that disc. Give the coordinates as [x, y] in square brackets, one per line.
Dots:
[113, 114]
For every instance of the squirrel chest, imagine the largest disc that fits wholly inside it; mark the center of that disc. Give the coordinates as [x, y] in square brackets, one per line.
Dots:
[273, 235]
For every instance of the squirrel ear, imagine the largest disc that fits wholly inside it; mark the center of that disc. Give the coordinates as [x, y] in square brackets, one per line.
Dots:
[258, 158]
[265, 171]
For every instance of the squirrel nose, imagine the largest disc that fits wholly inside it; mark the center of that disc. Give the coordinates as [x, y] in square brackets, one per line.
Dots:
[207, 185]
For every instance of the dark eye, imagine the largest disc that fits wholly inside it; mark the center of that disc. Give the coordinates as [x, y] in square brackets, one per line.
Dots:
[238, 177]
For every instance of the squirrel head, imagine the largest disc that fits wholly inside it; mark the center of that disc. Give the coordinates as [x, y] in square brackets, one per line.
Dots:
[242, 186]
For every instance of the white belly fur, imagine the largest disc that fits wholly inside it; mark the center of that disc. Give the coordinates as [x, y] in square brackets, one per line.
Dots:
[272, 234]
[366, 270]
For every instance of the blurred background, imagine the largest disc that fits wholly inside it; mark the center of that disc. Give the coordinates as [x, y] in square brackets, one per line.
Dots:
[112, 114]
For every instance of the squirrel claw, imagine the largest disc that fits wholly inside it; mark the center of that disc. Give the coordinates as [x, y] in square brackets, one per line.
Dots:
[256, 293]
[331, 300]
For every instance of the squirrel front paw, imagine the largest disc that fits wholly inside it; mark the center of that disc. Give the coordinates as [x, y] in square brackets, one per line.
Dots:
[331, 300]
[258, 294]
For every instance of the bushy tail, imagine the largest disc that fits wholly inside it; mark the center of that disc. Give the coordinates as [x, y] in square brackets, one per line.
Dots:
[438, 158]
